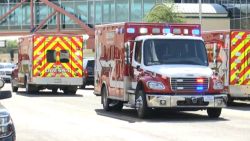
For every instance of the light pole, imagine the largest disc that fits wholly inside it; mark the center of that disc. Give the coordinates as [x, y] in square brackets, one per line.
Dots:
[200, 12]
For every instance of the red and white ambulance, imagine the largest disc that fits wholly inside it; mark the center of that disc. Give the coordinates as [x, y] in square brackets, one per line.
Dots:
[155, 65]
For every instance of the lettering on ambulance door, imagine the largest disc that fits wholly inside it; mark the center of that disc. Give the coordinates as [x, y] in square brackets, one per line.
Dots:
[137, 59]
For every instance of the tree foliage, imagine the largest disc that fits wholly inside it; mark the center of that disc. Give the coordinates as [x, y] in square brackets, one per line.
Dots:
[163, 12]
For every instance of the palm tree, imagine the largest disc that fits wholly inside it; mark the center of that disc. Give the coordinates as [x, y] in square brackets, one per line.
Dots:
[163, 12]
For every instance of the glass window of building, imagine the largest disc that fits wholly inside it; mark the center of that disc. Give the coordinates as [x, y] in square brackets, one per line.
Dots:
[136, 10]
[122, 10]
[108, 11]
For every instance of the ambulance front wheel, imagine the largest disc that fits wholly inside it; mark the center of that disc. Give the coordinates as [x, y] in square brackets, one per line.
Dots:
[214, 112]
[141, 104]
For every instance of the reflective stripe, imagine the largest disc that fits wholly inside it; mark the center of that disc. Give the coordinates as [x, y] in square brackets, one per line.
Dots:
[238, 58]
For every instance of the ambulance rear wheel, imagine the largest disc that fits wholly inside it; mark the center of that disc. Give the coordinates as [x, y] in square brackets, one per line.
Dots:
[141, 104]
[14, 89]
[30, 89]
[54, 90]
[73, 91]
[27, 87]
[105, 101]
[214, 112]
[230, 100]
[70, 90]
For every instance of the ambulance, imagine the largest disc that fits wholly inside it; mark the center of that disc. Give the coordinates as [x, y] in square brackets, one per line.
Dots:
[147, 66]
[229, 57]
[52, 62]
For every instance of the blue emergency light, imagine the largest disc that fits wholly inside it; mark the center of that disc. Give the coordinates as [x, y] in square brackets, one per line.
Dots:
[199, 88]
[196, 31]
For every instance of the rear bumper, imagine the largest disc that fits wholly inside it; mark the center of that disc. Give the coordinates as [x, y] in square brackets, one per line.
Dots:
[186, 101]
[57, 81]
[239, 91]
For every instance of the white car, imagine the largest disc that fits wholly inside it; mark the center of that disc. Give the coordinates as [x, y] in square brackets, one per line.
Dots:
[6, 71]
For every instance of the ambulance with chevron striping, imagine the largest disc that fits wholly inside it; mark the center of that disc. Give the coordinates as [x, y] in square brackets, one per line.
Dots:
[155, 65]
[229, 57]
[49, 61]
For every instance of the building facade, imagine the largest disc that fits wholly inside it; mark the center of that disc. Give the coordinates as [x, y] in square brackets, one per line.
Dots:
[94, 12]
[239, 11]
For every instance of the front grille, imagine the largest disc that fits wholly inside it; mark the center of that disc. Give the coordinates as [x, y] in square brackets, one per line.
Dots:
[189, 84]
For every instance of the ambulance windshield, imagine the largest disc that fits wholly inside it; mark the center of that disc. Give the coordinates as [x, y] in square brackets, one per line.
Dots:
[174, 51]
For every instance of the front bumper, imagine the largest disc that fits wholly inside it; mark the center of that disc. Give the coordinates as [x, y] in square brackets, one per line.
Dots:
[186, 101]
[12, 137]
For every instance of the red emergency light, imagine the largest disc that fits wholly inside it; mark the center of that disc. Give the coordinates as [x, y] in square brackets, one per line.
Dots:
[199, 80]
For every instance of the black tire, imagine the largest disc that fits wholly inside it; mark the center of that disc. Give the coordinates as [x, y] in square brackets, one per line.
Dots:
[70, 90]
[230, 100]
[30, 88]
[73, 91]
[105, 101]
[54, 90]
[14, 89]
[141, 104]
[83, 86]
[214, 112]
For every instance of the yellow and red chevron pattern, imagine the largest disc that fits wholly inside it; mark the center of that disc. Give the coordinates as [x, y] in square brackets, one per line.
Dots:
[72, 44]
[240, 58]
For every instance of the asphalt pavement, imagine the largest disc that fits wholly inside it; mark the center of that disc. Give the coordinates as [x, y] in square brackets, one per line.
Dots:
[51, 116]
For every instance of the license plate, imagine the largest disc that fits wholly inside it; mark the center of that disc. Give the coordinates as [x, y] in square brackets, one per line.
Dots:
[208, 98]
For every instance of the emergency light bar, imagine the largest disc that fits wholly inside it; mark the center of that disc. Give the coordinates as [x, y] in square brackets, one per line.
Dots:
[165, 30]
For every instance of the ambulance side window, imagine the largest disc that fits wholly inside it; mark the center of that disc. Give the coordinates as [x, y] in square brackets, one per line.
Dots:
[64, 56]
[51, 56]
[138, 52]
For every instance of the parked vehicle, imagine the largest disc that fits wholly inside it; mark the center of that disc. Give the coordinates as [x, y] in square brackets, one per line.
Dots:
[155, 65]
[49, 61]
[7, 131]
[229, 53]
[88, 71]
[6, 70]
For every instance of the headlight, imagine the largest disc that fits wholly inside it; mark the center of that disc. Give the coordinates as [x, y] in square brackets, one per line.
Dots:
[155, 85]
[218, 85]
[6, 125]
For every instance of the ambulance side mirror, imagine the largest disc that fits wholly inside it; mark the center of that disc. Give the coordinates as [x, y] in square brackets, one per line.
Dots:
[127, 52]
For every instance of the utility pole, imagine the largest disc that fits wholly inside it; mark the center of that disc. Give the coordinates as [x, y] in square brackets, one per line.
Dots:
[200, 12]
